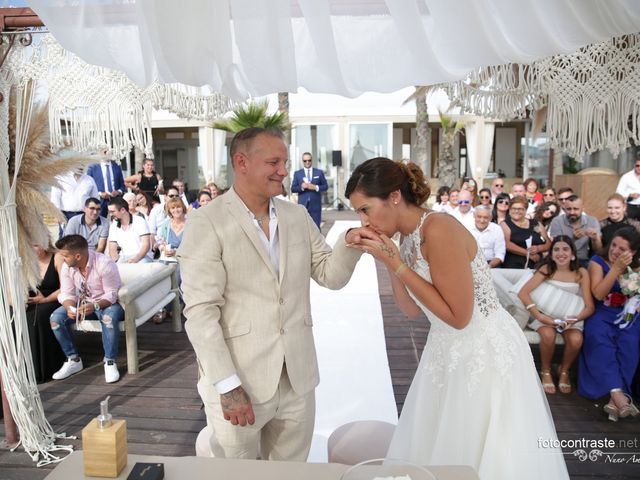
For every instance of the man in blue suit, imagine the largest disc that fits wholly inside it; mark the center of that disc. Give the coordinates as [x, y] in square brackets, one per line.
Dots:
[309, 183]
[109, 180]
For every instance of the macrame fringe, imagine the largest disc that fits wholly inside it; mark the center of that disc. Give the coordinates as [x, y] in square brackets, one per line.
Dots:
[593, 95]
[91, 107]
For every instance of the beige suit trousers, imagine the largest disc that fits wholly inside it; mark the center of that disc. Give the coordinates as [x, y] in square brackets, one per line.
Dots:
[282, 431]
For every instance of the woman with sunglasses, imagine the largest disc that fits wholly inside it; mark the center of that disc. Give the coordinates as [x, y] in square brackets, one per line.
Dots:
[485, 197]
[518, 229]
[501, 208]
[545, 212]
[562, 270]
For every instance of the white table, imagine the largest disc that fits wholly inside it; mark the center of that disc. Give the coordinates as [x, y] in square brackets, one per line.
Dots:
[200, 468]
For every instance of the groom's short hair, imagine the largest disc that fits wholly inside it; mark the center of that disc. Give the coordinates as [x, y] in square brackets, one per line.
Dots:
[244, 138]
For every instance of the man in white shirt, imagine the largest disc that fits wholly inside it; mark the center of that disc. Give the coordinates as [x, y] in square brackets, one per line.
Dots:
[497, 187]
[629, 188]
[464, 211]
[489, 235]
[128, 232]
[75, 188]
[158, 215]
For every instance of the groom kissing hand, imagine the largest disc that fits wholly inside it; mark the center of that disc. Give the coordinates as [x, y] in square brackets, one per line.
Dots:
[246, 260]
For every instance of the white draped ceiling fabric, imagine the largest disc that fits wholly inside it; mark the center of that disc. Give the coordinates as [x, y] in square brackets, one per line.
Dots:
[346, 47]
[479, 146]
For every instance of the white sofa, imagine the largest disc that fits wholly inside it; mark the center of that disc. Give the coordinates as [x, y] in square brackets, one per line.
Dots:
[503, 280]
[146, 288]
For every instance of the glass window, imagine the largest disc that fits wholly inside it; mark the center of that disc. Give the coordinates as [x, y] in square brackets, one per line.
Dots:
[320, 142]
[368, 141]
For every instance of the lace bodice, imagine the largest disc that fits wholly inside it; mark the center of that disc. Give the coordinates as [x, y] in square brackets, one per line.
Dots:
[491, 334]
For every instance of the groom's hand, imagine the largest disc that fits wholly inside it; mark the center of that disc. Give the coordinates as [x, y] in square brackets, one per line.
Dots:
[355, 236]
[237, 408]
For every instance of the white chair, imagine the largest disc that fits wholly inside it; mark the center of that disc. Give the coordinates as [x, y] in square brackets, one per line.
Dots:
[359, 441]
[146, 288]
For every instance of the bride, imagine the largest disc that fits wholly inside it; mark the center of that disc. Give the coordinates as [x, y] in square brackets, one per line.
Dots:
[476, 398]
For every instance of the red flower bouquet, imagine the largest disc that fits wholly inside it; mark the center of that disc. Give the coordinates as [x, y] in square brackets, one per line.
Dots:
[615, 299]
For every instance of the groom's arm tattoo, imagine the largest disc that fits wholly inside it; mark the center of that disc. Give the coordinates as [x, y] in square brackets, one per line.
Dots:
[234, 398]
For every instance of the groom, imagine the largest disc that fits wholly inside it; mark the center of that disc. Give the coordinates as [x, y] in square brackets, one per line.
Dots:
[246, 260]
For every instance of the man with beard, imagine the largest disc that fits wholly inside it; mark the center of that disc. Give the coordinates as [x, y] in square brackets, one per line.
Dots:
[584, 229]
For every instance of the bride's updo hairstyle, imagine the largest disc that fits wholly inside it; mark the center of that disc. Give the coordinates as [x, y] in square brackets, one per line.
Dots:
[380, 176]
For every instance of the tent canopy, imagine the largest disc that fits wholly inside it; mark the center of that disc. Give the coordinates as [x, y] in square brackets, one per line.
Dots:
[346, 47]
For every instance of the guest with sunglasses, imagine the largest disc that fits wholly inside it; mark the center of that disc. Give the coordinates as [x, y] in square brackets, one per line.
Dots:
[497, 187]
[563, 195]
[501, 208]
[485, 197]
[546, 212]
[158, 215]
[464, 211]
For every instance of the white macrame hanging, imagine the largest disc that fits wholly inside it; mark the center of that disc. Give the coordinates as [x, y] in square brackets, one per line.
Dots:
[91, 106]
[592, 95]
[37, 437]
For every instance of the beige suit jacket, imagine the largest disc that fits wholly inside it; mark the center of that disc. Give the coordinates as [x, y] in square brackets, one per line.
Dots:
[244, 319]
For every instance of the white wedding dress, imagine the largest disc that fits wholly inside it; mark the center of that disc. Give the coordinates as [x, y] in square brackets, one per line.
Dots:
[476, 398]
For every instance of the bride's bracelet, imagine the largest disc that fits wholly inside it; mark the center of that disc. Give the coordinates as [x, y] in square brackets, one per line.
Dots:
[400, 268]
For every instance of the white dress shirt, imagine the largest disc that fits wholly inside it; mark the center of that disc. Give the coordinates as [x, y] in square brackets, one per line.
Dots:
[629, 183]
[465, 219]
[73, 192]
[491, 240]
[272, 248]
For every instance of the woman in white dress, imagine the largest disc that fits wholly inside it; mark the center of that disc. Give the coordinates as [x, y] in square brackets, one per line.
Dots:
[476, 398]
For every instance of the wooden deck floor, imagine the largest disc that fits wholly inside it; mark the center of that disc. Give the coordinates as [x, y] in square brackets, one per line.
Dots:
[163, 413]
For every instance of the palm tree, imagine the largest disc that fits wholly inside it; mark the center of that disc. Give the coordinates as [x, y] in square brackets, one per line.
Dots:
[283, 107]
[447, 160]
[421, 147]
[254, 114]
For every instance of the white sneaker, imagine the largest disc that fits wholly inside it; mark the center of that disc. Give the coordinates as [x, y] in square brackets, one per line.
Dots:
[68, 368]
[111, 373]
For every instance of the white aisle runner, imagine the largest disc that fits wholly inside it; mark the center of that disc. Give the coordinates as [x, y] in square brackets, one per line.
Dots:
[355, 381]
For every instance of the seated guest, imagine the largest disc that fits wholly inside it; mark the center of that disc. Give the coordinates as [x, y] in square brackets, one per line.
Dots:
[617, 218]
[204, 197]
[489, 236]
[563, 194]
[145, 204]
[484, 197]
[158, 214]
[132, 201]
[611, 350]
[545, 213]
[518, 190]
[549, 195]
[442, 200]
[453, 200]
[518, 231]
[471, 186]
[560, 268]
[497, 187]
[89, 284]
[129, 234]
[170, 232]
[533, 196]
[42, 302]
[501, 208]
[90, 225]
[583, 228]
[464, 211]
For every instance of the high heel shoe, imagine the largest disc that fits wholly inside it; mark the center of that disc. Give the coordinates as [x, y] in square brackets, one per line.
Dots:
[613, 412]
[629, 409]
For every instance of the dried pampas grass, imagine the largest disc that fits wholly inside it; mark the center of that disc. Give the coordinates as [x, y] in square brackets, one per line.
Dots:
[39, 168]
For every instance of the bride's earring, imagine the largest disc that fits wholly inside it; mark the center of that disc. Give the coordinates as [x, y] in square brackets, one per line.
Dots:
[395, 203]
[573, 258]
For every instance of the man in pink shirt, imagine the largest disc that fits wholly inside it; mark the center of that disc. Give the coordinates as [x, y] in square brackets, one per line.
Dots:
[89, 284]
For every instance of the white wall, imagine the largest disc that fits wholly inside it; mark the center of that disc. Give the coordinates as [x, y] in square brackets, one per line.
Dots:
[506, 151]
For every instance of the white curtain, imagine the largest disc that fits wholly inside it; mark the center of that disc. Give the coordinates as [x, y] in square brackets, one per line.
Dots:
[347, 47]
[479, 145]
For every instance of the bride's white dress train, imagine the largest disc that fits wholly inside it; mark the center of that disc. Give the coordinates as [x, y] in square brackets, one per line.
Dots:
[476, 398]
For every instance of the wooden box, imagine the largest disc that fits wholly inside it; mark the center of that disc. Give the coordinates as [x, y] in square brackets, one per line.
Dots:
[104, 450]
